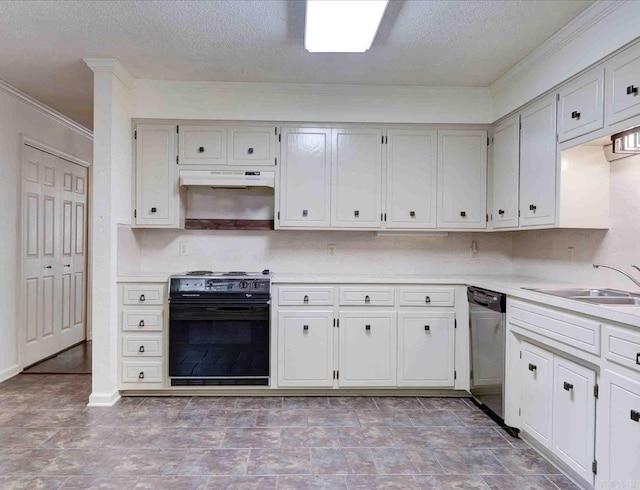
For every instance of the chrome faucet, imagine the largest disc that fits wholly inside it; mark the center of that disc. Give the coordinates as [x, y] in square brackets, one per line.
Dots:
[635, 281]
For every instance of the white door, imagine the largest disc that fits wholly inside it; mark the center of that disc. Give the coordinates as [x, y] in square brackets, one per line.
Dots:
[426, 349]
[202, 145]
[356, 177]
[462, 179]
[252, 145]
[367, 348]
[305, 177]
[487, 337]
[581, 106]
[53, 273]
[623, 85]
[538, 164]
[411, 178]
[506, 167]
[157, 190]
[574, 415]
[537, 392]
[305, 348]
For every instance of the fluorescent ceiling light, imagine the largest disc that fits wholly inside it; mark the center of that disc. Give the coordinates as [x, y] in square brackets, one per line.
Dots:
[342, 26]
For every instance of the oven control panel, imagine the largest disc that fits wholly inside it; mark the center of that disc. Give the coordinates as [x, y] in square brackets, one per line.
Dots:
[220, 287]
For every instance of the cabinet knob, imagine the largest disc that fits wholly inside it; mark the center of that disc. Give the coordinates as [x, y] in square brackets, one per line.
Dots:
[305, 213]
[305, 327]
[250, 151]
[532, 367]
[463, 214]
[141, 375]
[48, 267]
[141, 323]
[201, 149]
[67, 265]
[142, 298]
[412, 214]
[141, 349]
[306, 298]
[500, 212]
[532, 207]
[567, 386]
[427, 299]
[367, 328]
[153, 210]
[356, 213]
[635, 415]
[632, 90]
[575, 115]
[427, 328]
[367, 299]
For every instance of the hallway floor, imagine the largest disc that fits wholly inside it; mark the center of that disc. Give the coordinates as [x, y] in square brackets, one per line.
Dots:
[76, 360]
[49, 439]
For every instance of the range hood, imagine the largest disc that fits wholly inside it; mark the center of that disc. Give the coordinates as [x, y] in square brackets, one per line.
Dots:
[227, 178]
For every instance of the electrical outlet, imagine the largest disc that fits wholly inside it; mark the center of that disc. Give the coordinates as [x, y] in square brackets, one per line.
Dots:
[331, 249]
[572, 254]
[474, 250]
[183, 249]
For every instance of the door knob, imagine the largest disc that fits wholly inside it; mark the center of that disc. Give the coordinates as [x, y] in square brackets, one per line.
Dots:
[532, 367]
[567, 386]
[141, 349]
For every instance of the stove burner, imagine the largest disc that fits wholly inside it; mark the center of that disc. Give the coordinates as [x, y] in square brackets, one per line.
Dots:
[235, 273]
[199, 273]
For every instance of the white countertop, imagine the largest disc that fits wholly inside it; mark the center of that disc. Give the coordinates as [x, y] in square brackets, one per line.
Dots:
[513, 286]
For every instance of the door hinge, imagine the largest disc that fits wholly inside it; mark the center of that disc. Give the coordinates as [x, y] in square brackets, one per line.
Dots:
[455, 375]
[338, 374]
[278, 214]
[455, 323]
[557, 138]
[334, 374]
[385, 216]
[471, 374]
[177, 160]
[518, 213]
[279, 138]
[487, 141]
[519, 412]
[275, 130]
[557, 96]
[334, 323]
[135, 213]
[487, 217]
[594, 467]
[381, 216]
[338, 322]
[382, 140]
[386, 140]
[520, 354]
[276, 160]
[596, 391]
[520, 125]
[135, 135]
[178, 129]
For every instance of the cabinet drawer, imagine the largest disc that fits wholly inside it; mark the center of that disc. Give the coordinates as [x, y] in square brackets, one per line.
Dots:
[142, 345]
[305, 296]
[203, 145]
[576, 331]
[580, 109]
[252, 145]
[420, 296]
[623, 85]
[622, 347]
[368, 295]
[142, 372]
[143, 295]
[142, 320]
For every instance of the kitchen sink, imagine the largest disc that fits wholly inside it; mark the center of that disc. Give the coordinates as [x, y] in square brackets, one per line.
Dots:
[611, 297]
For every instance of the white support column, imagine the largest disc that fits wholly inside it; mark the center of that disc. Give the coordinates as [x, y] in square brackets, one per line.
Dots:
[111, 167]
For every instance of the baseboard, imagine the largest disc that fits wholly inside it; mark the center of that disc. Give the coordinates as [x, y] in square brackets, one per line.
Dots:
[9, 373]
[103, 399]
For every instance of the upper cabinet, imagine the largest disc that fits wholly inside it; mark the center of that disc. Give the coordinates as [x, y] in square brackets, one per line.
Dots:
[462, 167]
[356, 178]
[580, 105]
[252, 145]
[538, 163]
[305, 177]
[506, 168]
[623, 85]
[411, 178]
[157, 201]
[202, 145]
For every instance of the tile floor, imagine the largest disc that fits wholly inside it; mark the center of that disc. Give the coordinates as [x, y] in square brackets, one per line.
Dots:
[76, 360]
[49, 439]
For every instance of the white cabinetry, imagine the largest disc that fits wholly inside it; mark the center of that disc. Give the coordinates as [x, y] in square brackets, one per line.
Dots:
[305, 177]
[506, 168]
[411, 178]
[623, 85]
[462, 175]
[158, 202]
[356, 178]
[251, 145]
[537, 392]
[202, 145]
[367, 348]
[426, 349]
[538, 164]
[580, 106]
[305, 348]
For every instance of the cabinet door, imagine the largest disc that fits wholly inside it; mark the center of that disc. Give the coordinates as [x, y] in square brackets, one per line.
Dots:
[157, 191]
[357, 175]
[574, 415]
[538, 164]
[506, 168]
[621, 429]
[581, 107]
[252, 145]
[537, 392]
[425, 349]
[462, 179]
[623, 85]
[305, 348]
[411, 178]
[203, 145]
[305, 177]
[367, 348]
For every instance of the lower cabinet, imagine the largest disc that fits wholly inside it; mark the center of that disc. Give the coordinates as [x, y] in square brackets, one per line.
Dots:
[537, 392]
[305, 348]
[368, 342]
[426, 349]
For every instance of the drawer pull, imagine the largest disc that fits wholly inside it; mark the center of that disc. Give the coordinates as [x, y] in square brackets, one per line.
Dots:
[412, 214]
[638, 358]
[635, 415]
[427, 328]
[463, 214]
[141, 323]
[575, 115]
[427, 300]
[201, 149]
[141, 375]
[632, 90]
[305, 327]
[532, 207]
[142, 298]
[306, 298]
[567, 386]
[367, 299]
[141, 349]
[153, 210]
[532, 367]
[367, 328]
[250, 151]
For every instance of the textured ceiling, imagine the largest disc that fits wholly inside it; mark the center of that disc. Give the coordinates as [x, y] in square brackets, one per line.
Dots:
[435, 43]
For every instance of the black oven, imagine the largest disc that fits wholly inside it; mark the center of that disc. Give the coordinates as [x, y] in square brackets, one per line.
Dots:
[220, 339]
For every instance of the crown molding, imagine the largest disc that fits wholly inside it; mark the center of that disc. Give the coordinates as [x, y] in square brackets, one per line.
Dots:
[596, 13]
[44, 109]
[110, 65]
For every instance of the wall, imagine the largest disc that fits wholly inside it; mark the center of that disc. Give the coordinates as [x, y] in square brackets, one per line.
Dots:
[545, 253]
[20, 115]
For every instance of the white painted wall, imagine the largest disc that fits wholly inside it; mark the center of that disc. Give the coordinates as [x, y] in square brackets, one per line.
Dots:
[545, 254]
[20, 116]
